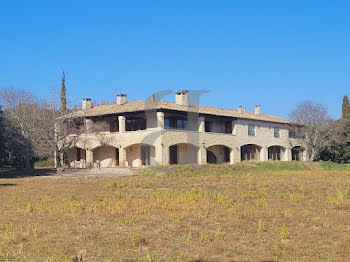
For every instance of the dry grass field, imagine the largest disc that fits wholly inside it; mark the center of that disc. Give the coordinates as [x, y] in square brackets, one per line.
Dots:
[244, 212]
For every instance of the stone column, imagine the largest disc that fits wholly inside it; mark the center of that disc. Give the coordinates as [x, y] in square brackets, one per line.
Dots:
[88, 124]
[264, 156]
[121, 120]
[232, 156]
[165, 155]
[159, 154]
[288, 154]
[89, 158]
[202, 155]
[233, 128]
[305, 157]
[235, 155]
[122, 157]
[201, 124]
[160, 120]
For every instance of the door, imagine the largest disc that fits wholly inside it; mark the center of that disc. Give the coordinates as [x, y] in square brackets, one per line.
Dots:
[173, 155]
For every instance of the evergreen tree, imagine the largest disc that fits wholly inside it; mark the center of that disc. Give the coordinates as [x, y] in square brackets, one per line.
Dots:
[345, 108]
[63, 107]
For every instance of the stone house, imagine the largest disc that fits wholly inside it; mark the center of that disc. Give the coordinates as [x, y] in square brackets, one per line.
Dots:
[153, 132]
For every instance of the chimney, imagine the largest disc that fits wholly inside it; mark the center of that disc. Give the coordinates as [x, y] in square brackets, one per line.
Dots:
[86, 104]
[181, 98]
[257, 109]
[240, 109]
[121, 99]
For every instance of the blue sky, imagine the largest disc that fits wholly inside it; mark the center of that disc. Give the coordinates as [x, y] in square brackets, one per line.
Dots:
[272, 53]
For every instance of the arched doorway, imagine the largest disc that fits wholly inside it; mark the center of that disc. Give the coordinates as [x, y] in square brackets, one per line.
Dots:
[250, 152]
[75, 157]
[106, 156]
[183, 153]
[140, 155]
[218, 154]
[297, 153]
[276, 153]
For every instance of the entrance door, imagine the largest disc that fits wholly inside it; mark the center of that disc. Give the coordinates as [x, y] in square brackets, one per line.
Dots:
[145, 155]
[173, 155]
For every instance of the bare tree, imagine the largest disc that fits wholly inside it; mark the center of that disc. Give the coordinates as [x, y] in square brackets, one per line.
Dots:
[33, 118]
[312, 119]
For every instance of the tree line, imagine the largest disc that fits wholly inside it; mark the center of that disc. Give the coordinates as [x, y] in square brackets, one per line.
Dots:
[27, 122]
[27, 128]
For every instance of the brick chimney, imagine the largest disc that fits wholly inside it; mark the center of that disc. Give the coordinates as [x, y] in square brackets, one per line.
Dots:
[121, 99]
[257, 109]
[86, 104]
[181, 98]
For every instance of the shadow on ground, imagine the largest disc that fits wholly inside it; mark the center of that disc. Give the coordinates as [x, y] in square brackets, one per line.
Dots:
[13, 173]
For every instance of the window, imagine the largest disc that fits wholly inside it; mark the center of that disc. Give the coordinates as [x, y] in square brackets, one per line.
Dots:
[251, 130]
[114, 126]
[291, 134]
[276, 132]
[134, 124]
[207, 126]
[228, 127]
[175, 123]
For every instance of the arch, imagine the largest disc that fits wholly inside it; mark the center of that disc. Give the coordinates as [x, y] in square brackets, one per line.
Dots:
[183, 153]
[298, 153]
[183, 143]
[219, 153]
[140, 154]
[250, 152]
[105, 156]
[75, 157]
[276, 153]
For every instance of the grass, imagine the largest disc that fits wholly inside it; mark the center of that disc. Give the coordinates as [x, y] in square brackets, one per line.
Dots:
[243, 212]
[44, 164]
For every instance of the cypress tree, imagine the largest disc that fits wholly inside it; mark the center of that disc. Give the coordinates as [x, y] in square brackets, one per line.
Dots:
[2, 138]
[345, 108]
[63, 94]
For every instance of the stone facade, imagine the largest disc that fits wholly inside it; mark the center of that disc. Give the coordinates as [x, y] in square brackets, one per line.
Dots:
[165, 137]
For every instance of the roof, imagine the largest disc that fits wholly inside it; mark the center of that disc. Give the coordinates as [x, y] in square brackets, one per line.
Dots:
[145, 105]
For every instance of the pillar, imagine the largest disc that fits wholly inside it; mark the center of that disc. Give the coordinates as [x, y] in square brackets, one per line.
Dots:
[122, 157]
[89, 158]
[202, 155]
[288, 154]
[201, 124]
[264, 155]
[233, 128]
[232, 156]
[121, 120]
[88, 124]
[165, 155]
[160, 120]
[159, 153]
